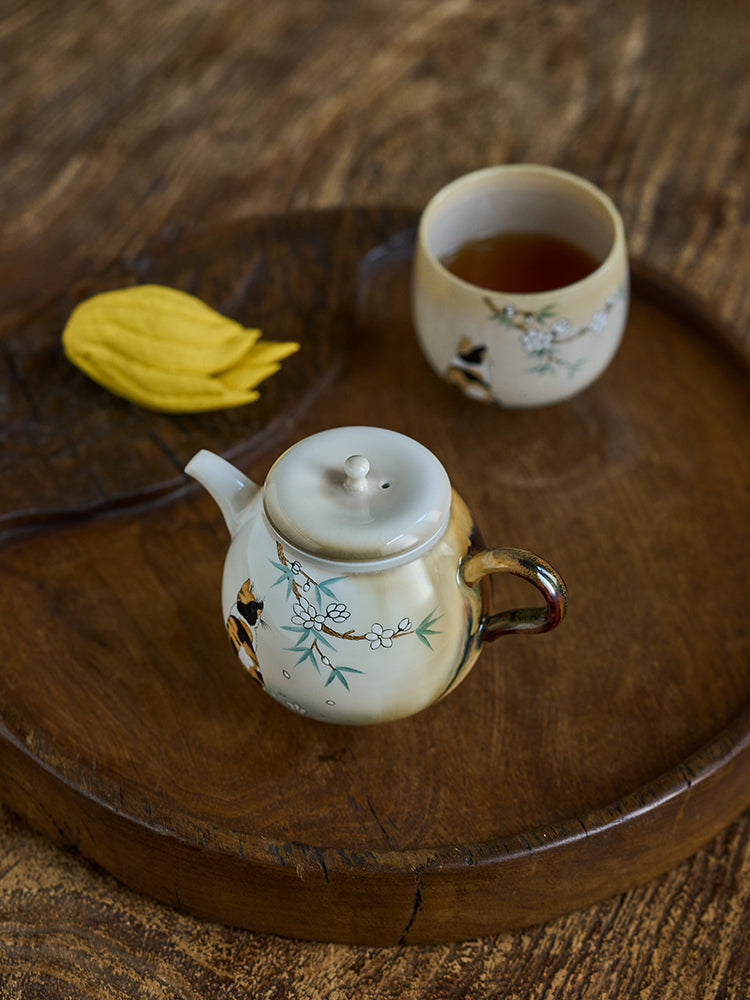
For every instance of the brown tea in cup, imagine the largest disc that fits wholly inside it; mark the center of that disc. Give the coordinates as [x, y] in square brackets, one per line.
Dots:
[497, 336]
[520, 263]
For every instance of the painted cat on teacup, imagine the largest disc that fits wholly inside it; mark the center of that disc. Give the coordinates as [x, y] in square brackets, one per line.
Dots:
[352, 589]
[521, 284]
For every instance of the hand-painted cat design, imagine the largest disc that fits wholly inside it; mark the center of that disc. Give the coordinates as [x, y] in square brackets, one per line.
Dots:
[246, 616]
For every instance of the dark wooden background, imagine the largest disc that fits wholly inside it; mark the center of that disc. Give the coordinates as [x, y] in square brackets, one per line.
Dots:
[123, 121]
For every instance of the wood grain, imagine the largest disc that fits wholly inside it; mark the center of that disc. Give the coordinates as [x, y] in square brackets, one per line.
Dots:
[563, 770]
[213, 112]
[67, 929]
[123, 121]
[83, 451]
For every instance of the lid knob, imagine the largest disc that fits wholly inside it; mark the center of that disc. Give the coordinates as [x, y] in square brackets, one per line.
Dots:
[356, 468]
[355, 509]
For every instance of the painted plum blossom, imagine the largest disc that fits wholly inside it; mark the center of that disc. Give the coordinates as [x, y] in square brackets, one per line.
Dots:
[541, 333]
[317, 623]
[379, 636]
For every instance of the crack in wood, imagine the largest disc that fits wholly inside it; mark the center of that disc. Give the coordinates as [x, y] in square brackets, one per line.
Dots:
[416, 908]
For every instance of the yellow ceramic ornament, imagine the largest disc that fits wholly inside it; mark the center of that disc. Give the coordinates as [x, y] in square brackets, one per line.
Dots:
[167, 350]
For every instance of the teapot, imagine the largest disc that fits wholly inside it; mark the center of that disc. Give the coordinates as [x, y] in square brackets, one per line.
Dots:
[355, 586]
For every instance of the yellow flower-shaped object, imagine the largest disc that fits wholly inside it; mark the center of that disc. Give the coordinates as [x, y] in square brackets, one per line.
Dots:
[169, 351]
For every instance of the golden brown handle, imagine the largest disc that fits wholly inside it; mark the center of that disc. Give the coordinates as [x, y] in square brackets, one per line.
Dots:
[529, 567]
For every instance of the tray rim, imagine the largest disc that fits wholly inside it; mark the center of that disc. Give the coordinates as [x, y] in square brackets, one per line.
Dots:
[728, 746]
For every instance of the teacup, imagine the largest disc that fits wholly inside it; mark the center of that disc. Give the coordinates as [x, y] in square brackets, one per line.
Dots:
[520, 348]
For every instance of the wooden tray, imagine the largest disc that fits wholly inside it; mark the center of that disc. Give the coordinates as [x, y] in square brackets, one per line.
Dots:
[567, 767]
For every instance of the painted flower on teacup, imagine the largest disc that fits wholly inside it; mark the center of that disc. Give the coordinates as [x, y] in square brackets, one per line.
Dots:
[563, 337]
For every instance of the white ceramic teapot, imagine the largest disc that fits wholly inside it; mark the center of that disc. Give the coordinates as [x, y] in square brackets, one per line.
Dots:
[352, 589]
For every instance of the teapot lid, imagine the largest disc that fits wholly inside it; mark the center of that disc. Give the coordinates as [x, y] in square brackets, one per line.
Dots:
[357, 494]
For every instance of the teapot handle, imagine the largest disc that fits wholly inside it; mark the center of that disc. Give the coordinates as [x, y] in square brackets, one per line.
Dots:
[529, 567]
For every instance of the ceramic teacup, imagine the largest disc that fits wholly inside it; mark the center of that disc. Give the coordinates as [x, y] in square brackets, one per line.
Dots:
[520, 348]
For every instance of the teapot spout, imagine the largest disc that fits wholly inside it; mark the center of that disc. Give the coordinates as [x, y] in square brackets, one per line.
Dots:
[230, 488]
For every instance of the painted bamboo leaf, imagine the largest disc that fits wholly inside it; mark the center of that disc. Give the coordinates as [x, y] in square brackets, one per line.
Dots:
[304, 634]
[546, 313]
[307, 654]
[425, 629]
[325, 587]
[286, 574]
[337, 673]
[326, 642]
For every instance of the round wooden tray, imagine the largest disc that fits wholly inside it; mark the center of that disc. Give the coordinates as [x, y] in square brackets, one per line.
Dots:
[567, 767]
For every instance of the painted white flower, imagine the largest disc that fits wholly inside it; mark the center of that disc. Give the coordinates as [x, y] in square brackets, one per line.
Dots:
[404, 625]
[380, 636]
[337, 612]
[598, 321]
[306, 615]
[509, 310]
[296, 567]
[536, 340]
[561, 328]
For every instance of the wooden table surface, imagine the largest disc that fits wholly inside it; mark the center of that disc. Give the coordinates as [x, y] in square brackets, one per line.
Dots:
[121, 121]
